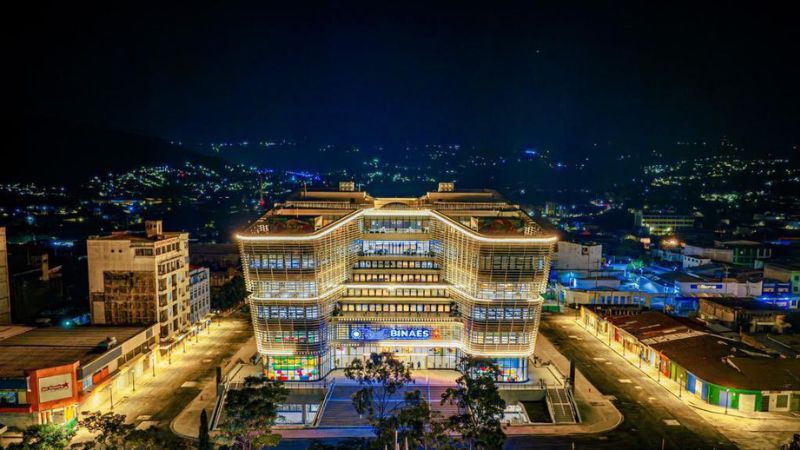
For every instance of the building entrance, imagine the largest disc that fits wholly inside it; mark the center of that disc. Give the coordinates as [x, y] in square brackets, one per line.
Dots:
[417, 357]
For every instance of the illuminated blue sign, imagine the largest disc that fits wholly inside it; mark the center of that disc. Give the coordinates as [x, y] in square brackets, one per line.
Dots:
[362, 333]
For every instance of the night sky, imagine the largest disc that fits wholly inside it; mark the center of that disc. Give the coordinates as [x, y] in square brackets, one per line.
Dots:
[508, 74]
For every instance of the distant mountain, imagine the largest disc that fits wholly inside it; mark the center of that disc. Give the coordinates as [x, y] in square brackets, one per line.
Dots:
[56, 152]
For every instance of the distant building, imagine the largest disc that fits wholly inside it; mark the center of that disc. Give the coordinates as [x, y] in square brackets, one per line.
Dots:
[603, 295]
[140, 279]
[34, 287]
[222, 260]
[694, 285]
[788, 273]
[746, 314]
[48, 375]
[199, 294]
[578, 257]
[663, 224]
[5, 288]
[694, 261]
[738, 253]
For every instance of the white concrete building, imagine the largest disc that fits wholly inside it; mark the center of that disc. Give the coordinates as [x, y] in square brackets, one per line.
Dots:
[199, 294]
[578, 257]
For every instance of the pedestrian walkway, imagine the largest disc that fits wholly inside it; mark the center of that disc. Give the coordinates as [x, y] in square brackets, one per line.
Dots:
[597, 413]
[718, 415]
[187, 423]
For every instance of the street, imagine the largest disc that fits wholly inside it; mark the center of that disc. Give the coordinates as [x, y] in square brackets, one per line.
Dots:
[651, 413]
[157, 400]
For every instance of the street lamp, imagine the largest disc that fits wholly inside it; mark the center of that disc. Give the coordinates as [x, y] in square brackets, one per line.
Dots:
[111, 394]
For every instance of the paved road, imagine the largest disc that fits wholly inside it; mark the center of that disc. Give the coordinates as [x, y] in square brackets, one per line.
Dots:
[159, 399]
[651, 414]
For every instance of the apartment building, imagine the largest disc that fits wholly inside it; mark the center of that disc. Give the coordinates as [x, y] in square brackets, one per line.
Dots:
[137, 279]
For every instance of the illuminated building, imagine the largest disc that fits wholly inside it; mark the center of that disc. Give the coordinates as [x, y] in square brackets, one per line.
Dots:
[51, 374]
[141, 279]
[5, 299]
[336, 275]
[663, 224]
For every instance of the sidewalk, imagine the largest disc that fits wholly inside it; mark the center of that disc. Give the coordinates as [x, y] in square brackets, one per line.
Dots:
[187, 423]
[598, 414]
[755, 421]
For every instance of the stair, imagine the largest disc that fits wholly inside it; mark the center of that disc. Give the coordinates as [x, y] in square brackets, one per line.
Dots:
[560, 405]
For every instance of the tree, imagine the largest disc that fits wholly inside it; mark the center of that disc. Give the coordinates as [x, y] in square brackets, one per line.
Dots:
[409, 417]
[480, 407]
[49, 436]
[250, 413]
[204, 443]
[154, 439]
[230, 294]
[110, 430]
[381, 377]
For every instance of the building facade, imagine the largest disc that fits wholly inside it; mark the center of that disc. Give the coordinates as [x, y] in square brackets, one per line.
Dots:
[663, 224]
[337, 275]
[788, 273]
[141, 279]
[724, 373]
[5, 288]
[49, 375]
[199, 294]
[578, 256]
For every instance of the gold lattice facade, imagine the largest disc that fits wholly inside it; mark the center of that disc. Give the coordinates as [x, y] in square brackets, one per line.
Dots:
[336, 275]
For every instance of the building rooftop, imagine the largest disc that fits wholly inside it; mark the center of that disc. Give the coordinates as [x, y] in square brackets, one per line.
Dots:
[732, 364]
[37, 348]
[650, 325]
[307, 212]
[135, 236]
[742, 303]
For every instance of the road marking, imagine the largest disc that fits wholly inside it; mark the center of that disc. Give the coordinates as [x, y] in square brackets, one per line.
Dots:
[189, 384]
[651, 399]
[599, 359]
[638, 388]
[672, 422]
[624, 380]
[609, 363]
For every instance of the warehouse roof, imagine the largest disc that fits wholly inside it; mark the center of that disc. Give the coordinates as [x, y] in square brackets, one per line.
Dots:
[41, 348]
[731, 364]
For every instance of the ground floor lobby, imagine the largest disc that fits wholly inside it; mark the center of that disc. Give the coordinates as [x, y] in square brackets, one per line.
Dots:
[312, 368]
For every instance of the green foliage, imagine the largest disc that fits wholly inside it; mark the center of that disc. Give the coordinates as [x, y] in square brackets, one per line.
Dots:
[112, 433]
[154, 439]
[250, 413]
[230, 294]
[44, 437]
[480, 407]
[410, 417]
[110, 430]
[204, 442]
